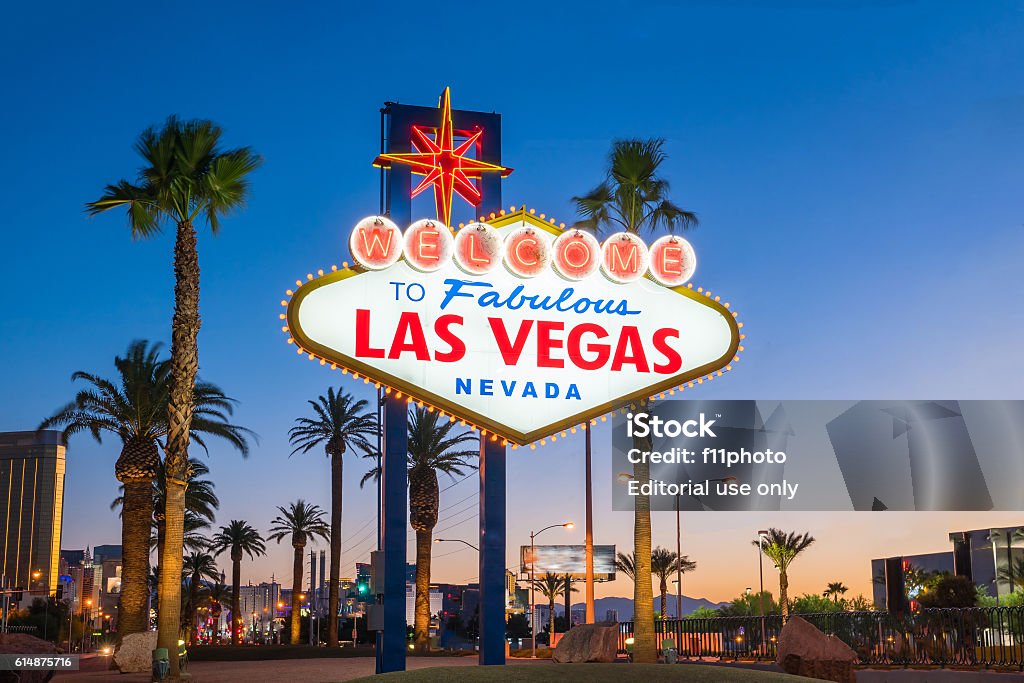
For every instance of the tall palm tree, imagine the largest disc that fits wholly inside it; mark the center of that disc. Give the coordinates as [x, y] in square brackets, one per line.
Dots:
[299, 522]
[134, 407]
[664, 563]
[550, 586]
[626, 564]
[237, 538]
[432, 448]
[340, 423]
[217, 595]
[567, 590]
[186, 177]
[196, 566]
[782, 548]
[634, 197]
[201, 504]
[834, 590]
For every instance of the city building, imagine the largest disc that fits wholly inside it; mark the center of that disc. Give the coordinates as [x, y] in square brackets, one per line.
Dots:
[612, 615]
[106, 561]
[980, 554]
[258, 606]
[436, 604]
[32, 468]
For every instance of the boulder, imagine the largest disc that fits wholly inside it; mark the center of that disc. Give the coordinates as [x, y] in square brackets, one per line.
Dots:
[805, 651]
[588, 643]
[24, 644]
[135, 654]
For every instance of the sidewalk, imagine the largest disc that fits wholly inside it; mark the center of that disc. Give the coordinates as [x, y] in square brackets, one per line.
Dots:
[307, 670]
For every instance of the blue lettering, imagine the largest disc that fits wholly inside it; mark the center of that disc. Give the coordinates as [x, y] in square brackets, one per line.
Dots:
[529, 390]
[574, 392]
[463, 385]
[487, 387]
[508, 388]
[550, 390]
[565, 301]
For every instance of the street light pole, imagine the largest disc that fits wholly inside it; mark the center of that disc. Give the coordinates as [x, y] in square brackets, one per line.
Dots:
[679, 563]
[760, 576]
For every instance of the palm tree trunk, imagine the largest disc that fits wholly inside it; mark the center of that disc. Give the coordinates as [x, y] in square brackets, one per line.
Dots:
[161, 535]
[193, 608]
[333, 597]
[296, 590]
[421, 628]
[664, 595]
[136, 522]
[568, 602]
[784, 595]
[184, 365]
[644, 648]
[551, 622]
[169, 586]
[236, 599]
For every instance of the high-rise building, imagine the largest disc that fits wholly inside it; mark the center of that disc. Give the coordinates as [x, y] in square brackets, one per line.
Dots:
[988, 557]
[31, 503]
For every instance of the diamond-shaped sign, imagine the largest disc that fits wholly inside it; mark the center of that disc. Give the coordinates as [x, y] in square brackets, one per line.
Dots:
[519, 357]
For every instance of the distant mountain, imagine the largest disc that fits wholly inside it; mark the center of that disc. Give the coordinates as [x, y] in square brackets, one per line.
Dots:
[624, 606]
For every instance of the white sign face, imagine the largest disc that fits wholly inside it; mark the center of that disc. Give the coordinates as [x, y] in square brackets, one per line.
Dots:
[520, 357]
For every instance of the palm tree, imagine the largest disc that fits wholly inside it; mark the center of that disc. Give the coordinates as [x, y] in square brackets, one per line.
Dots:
[196, 566]
[186, 177]
[634, 198]
[664, 564]
[834, 590]
[430, 445]
[217, 595]
[626, 564]
[134, 407]
[340, 423]
[299, 522]
[782, 548]
[201, 502]
[567, 590]
[237, 538]
[550, 586]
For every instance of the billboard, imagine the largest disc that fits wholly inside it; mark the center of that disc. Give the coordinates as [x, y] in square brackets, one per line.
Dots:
[568, 559]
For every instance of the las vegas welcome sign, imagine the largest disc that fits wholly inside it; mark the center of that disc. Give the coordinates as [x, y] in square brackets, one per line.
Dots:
[512, 325]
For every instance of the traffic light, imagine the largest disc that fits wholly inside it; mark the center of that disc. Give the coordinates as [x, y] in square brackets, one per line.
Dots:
[363, 587]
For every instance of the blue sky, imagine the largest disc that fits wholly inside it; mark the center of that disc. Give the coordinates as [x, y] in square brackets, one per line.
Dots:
[857, 167]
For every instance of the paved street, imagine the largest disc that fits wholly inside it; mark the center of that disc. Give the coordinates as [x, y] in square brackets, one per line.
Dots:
[306, 670]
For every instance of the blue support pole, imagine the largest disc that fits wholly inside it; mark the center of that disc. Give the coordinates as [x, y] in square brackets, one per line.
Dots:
[492, 552]
[395, 505]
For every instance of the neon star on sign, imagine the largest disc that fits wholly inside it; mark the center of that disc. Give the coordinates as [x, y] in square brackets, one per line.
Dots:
[444, 167]
[513, 325]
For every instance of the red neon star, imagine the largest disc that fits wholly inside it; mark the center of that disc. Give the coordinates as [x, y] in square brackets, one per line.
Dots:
[442, 165]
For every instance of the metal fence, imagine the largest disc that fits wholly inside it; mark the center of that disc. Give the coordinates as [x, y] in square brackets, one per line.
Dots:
[976, 636]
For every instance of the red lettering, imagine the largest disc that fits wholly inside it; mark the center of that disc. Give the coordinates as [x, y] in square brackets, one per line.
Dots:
[629, 349]
[510, 351]
[409, 337]
[380, 242]
[363, 348]
[576, 348]
[545, 343]
[673, 360]
[442, 328]
[617, 263]
[624, 257]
